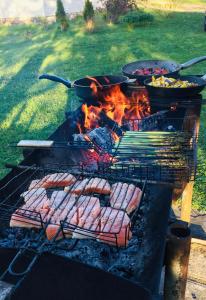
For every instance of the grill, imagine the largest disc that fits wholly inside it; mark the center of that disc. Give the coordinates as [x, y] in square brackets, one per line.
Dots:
[35, 219]
[164, 156]
[156, 153]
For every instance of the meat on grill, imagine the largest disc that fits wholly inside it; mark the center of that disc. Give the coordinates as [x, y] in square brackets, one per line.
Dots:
[28, 219]
[39, 209]
[53, 180]
[78, 188]
[125, 196]
[94, 185]
[62, 207]
[34, 184]
[88, 211]
[57, 198]
[32, 213]
[98, 185]
[79, 216]
[34, 194]
[114, 227]
[69, 215]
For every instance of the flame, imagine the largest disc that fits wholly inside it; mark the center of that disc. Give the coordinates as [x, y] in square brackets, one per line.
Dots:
[95, 81]
[94, 85]
[118, 107]
[91, 115]
[79, 127]
[94, 88]
[106, 79]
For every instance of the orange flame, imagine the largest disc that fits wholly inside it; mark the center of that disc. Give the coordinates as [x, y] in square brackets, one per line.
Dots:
[117, 106]
[79, 127]
[91, 115]
[94, 85]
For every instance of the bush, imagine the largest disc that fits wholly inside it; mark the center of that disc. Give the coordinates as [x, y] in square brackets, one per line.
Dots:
[116, 8]
[136, 18]
[61, 17]
[88, 12]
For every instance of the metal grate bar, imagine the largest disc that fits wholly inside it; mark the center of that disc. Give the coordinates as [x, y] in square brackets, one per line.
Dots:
[33, 217]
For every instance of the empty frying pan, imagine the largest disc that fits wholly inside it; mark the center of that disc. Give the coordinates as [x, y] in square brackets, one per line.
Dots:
[172, 67]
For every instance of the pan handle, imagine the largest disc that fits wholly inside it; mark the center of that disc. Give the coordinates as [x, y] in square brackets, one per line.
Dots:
[56, 79]
[204, 77]
[192, 62]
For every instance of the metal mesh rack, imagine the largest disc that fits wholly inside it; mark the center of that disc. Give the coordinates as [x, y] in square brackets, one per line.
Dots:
[40, 211]
[156, 156]
[161, 122]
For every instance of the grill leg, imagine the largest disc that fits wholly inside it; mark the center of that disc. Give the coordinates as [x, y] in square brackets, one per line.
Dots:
[176, 262]
[186, 205]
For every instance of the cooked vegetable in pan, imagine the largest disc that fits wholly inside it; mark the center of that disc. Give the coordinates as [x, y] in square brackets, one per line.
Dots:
[171, 82]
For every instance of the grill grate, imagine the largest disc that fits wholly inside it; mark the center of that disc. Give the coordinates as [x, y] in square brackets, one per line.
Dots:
[28, 216]
[159, 156]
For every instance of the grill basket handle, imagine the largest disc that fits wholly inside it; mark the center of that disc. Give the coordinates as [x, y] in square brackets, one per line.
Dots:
[11, 268]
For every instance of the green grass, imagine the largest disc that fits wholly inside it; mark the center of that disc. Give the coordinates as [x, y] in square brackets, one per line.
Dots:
[33, 109]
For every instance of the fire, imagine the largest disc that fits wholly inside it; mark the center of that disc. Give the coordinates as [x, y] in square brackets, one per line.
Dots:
[91, 116]
[79, 127]
[117, 106]
[94, 85]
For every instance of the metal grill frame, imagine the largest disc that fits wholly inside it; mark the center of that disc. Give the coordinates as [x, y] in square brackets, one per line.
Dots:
[7, 210]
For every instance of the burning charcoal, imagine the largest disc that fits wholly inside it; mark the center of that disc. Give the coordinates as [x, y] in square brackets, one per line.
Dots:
[110, 123]
[79, 137]
[102, 137]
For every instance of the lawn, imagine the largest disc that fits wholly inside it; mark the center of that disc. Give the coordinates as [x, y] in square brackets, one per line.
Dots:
[33, 109]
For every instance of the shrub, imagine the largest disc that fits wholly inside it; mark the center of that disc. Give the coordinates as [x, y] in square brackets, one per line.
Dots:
[61, 17]
[136, 18]
[116, 8]
[88, 12]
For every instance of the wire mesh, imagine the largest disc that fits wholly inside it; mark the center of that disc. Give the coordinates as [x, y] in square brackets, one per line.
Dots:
[69, 214]
[160, 156]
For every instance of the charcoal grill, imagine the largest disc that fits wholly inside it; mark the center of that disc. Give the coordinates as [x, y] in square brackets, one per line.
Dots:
[141, 262]
[36, 219]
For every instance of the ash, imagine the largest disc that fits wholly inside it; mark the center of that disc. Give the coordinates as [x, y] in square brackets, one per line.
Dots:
[120, 261]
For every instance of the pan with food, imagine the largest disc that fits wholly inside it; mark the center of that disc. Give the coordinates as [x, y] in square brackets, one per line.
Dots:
[181, 87]
[145, 69]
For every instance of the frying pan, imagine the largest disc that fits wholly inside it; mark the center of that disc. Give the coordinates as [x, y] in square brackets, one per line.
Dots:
[82, 86]
[170, 65]
[177, 92]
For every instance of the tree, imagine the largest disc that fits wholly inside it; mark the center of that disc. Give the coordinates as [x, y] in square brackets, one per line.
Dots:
[116, 8]
[61, 17]
[88, 12]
